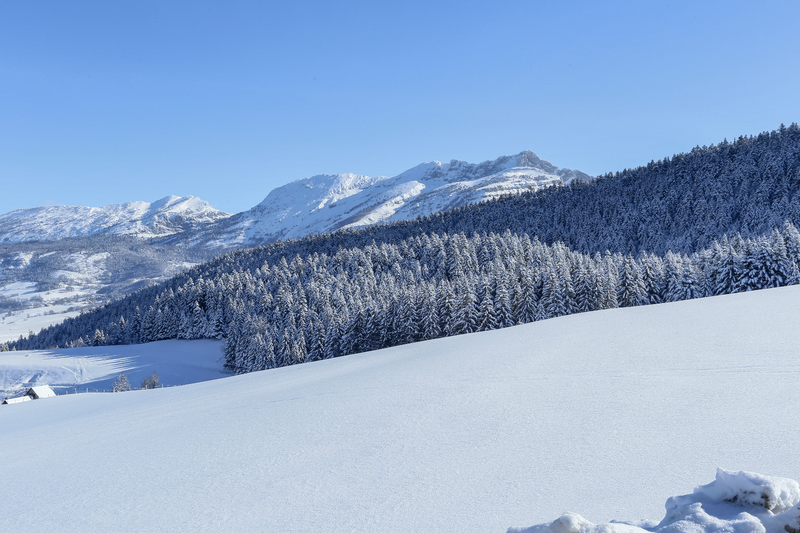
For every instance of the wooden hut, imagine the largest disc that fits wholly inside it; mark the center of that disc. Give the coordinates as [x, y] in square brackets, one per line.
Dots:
[34, 393]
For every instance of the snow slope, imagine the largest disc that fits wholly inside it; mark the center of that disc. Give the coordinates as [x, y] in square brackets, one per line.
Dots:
[16, 323]
[326, 202]
[163, 217]
[40, 289]
[606, 414]
[177, 362]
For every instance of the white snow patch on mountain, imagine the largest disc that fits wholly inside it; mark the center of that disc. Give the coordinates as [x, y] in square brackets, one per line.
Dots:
[41, 289]
[606, 413]
[163, 217]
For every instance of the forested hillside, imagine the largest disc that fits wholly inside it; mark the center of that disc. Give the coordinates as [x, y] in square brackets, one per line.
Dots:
[698, 224]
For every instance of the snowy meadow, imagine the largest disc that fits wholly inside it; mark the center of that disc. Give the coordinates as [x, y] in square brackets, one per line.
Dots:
[95, 368]
[606, 414]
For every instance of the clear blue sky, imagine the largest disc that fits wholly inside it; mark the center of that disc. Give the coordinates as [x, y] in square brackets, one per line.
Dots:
[106, 102]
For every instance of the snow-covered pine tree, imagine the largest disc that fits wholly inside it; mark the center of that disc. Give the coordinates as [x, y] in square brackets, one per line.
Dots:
[198, 322]
[553, 294]
[503, 305]
[430, 324]
[465, 313]
[487, 317]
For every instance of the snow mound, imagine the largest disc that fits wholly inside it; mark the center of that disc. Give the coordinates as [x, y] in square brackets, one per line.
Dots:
[746, 488]
[735, 502]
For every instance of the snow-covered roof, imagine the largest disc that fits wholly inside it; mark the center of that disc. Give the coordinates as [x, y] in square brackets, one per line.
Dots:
[18, 399]
[41, 391]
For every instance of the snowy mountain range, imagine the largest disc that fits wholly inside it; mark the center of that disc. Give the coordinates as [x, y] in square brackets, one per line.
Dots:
[322, 203]
[328, 202]
[166, 216]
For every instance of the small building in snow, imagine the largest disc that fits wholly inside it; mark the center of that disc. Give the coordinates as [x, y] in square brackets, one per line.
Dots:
[18, 399]
[34, 393]
[42, 391]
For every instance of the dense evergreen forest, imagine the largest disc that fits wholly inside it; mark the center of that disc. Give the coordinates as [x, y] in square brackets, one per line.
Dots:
[717, 220]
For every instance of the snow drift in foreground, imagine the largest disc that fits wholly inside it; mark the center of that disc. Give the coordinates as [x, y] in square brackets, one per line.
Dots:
[608, 413]
[736, 502]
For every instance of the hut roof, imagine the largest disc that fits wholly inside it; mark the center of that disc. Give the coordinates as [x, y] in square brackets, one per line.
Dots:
[41, 391]
[18, 399]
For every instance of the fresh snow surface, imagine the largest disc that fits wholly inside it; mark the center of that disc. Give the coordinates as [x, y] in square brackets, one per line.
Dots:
[68, 371]
[326, 203]
[736, 502]
[607, 414]
[162, 217]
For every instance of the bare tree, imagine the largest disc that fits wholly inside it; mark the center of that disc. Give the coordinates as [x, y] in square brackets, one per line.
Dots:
[151, 381]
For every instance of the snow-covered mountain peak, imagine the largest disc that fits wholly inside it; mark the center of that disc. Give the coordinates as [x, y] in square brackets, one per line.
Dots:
[458, 170]
[327, 202]
[326, 187]
[166, 216]
[186, 205]
[168, 201]
[317, 204]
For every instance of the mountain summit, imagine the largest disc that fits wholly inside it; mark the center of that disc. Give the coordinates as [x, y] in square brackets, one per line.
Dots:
[328, 202]
[166, 216]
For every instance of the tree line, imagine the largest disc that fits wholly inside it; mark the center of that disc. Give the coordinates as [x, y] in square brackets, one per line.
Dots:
[361, 299]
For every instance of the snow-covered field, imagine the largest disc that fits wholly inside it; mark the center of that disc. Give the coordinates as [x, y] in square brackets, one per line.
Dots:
[604, 414]
[47, 308]
[177, 362]
[17, 323]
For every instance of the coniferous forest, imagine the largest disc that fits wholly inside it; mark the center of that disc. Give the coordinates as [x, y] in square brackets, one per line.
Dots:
[716, 220]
